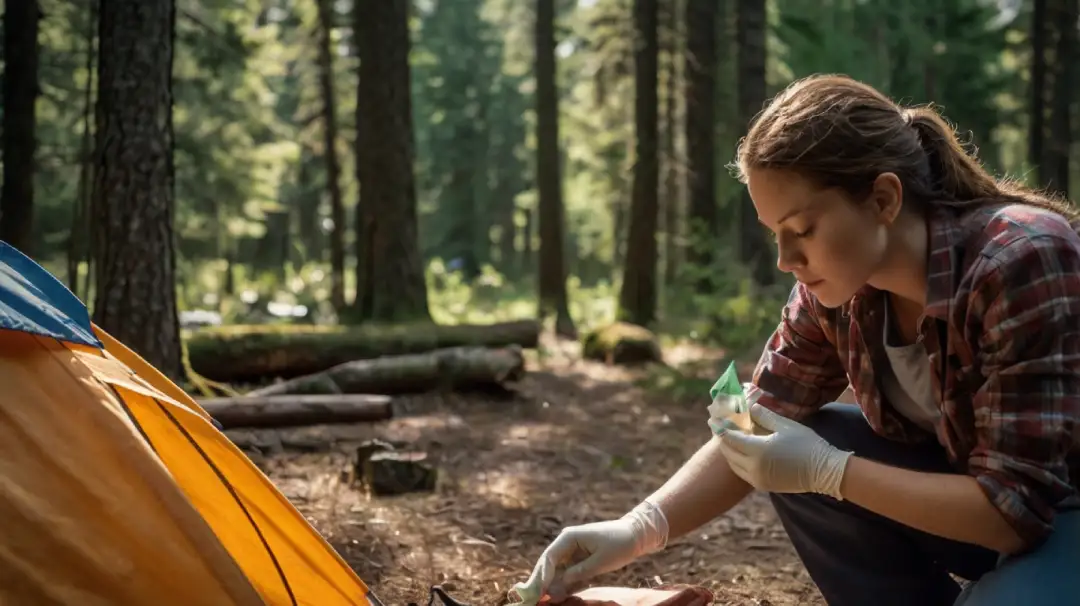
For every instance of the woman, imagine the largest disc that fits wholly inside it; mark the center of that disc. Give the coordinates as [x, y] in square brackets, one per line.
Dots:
[951, 304]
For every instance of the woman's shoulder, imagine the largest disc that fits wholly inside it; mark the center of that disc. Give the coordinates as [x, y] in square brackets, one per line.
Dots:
[1008, 231]
[1015, 253]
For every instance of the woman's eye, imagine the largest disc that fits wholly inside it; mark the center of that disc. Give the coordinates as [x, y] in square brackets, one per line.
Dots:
[799, 234]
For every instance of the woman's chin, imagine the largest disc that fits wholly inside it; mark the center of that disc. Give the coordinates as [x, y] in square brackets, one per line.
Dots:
[826, 294]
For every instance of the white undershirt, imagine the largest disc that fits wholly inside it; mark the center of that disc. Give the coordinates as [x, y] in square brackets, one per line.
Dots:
[907, 383]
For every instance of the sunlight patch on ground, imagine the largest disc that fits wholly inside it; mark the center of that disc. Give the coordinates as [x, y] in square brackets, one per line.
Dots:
[412, 427]
[504, 488]
[528, 434]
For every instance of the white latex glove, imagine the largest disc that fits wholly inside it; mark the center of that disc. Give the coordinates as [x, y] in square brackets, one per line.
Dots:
[593, 549]
[793, 458]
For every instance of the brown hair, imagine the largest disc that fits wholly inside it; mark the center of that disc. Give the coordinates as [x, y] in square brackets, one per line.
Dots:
[842, 133]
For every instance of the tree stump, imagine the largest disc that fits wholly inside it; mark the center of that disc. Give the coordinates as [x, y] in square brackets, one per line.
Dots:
[384, 470]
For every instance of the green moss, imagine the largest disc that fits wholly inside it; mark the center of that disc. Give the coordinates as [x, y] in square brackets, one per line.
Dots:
[622, 343]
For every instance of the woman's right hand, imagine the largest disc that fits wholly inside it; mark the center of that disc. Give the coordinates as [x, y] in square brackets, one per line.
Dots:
[582, 552]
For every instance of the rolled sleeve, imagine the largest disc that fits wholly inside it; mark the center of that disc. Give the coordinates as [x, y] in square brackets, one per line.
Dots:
[799, 370]
[1025, 314]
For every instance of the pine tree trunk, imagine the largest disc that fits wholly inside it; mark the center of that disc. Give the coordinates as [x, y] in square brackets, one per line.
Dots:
[703, 219]
[750, 36]
[133, 181]
[333, 165]
[390, 269]
[637, 298]
[552, 270]
[19, 95]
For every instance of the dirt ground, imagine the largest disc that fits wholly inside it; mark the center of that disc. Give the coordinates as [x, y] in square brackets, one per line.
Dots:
[576, 442]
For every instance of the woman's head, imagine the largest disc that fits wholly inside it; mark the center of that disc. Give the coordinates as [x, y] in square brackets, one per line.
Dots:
[854, 171]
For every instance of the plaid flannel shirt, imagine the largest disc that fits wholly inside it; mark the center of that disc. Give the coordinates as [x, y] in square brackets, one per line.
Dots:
[1003, 304]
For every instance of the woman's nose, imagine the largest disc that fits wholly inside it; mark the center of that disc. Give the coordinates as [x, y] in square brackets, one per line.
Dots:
[788, 257]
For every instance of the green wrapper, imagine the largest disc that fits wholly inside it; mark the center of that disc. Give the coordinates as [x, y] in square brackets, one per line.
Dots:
[728, 401]
[728, 384]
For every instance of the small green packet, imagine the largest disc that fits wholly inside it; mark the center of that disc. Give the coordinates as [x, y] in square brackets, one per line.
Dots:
[729, 409]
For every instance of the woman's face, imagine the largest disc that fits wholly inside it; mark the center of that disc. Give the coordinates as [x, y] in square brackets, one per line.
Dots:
[828, 242]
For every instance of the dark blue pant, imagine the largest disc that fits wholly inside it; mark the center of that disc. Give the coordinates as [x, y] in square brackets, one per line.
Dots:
[857, 557]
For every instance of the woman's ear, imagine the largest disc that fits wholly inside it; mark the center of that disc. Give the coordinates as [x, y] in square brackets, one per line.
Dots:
[887, 197]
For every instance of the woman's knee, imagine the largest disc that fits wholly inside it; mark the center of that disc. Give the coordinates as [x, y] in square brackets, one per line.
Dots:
[845, 427]
[842, 425]
[1047, 575]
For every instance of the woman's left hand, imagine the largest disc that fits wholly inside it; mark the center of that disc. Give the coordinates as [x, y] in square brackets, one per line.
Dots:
[793, 458]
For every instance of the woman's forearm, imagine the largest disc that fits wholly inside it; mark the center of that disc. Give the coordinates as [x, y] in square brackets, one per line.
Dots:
[703, 488]
[950, 506]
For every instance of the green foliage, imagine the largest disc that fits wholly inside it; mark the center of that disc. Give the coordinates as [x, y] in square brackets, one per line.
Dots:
[470, 132]
[491, 297]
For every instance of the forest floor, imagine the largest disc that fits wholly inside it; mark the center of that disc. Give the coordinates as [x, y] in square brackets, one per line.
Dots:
[577, 442]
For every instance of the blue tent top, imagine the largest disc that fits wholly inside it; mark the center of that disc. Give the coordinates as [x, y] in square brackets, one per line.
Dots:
[32, 300]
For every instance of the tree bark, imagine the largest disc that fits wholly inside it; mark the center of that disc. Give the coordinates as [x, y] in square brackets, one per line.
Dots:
[447, 368]
[552, 271]
[750, 39]
[20, 93]
[258, 353]
[637, 298]
[390, 268]
[296, 410]
[133, 182]
[333, 164]
[703, 220]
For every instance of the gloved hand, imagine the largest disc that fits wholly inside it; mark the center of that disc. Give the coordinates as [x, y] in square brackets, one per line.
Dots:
[593, 549]
[793, 458]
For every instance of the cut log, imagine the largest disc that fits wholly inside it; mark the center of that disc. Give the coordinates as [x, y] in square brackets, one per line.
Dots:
[622, 343]
[450, 368]
[297, 410]
[257, 353]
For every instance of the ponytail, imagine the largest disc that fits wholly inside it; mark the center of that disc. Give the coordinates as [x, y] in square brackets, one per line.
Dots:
[954, 175]
[957, 179]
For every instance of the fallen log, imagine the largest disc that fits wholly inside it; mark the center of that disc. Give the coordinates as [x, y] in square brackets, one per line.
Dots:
[255, 353]
[297, 410]
[449, 368]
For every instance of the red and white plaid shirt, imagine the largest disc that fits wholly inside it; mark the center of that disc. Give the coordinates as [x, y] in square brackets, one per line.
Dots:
[1004, 284]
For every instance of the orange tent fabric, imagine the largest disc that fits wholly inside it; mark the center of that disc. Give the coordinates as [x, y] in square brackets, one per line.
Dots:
[117, 489]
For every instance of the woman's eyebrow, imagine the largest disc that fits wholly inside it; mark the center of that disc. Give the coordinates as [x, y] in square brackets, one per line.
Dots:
[790, 214]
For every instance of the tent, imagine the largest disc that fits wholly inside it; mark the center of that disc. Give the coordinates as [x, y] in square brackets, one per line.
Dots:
[117, 488]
